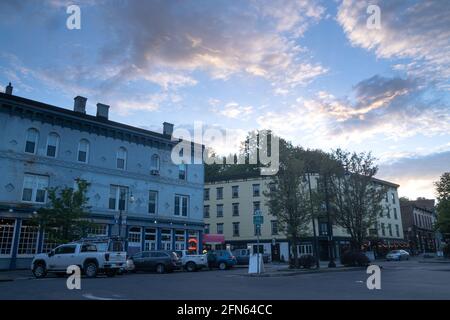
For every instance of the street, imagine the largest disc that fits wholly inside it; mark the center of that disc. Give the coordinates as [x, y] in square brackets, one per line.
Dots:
[399, 280]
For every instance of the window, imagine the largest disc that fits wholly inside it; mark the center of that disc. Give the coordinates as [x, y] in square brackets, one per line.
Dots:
[206, 195]
[88, 248]
[52, 145]
[397, 230]
[235, 191]
[235, 209]
[393, 197]
[98, 230]
[65, 249]
[206, 211]
[152, 202]
[256, 190]
[118, 197]
[219, 210]
[181, 205]
[257, 229]
[323, 228]
[387, 197]
[32, 141]
[304, 249]
[235, 229]
[219, 193]
[182, 171]
[134, 236]
[395, 214]
[274, 227]
[166, 239]
[381, 213]
[83, 151]
[272, 187]
[390, 229]
[150, 239]
[154, 163]
[206, 228]
[388, 213]
[383, 232]
[256, 207]
[48, 244]
[34, 188]
[121, 158]
[220, 228]
[180, 240]
[6, 236]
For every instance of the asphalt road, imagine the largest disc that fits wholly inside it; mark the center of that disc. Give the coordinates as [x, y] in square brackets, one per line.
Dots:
[399, 280]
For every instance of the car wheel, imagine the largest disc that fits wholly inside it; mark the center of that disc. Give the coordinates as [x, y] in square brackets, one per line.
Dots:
[111, 273]
[90, 269]
[222, 266]
[191, 266]
[160, 268]
[39, 270]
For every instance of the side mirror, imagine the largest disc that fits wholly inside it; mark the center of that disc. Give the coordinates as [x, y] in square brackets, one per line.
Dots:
[51, 253]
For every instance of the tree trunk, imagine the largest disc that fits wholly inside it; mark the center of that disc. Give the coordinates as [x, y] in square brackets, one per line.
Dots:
[296, 262]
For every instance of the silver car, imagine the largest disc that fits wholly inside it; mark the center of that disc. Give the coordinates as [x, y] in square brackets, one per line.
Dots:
[397, 255]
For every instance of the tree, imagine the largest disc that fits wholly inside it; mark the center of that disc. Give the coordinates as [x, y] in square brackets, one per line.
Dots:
[288, 199]
[66, 218]
[443, 206]
[355, 198]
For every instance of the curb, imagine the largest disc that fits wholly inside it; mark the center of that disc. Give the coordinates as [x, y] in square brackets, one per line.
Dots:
[295, 273]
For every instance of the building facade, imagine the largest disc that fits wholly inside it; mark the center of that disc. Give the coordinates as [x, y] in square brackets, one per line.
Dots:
[136, 191]
[419, 219]
[229, 207]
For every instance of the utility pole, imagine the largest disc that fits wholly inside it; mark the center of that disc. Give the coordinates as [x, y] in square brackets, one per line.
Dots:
[316, 252]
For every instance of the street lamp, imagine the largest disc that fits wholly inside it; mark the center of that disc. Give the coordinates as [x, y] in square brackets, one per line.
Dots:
[331, 264]
[121, 218]
[316, 247]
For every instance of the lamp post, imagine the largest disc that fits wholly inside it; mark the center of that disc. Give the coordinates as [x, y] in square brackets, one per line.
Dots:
[316, 252]
[121, 219]
[331, 264]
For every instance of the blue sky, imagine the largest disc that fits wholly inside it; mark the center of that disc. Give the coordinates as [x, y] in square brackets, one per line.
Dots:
[312, 71]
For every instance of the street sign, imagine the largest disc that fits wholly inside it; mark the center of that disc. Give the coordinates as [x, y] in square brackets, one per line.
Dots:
[258, 219]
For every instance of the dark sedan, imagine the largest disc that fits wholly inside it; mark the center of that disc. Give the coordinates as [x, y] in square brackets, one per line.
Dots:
[159, 261]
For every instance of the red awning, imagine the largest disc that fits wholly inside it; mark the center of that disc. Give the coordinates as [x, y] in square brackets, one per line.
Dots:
[213, 238]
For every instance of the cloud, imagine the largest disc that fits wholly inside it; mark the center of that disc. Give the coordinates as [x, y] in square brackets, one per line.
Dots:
[416, 173]
[235, 111]
[416, 30]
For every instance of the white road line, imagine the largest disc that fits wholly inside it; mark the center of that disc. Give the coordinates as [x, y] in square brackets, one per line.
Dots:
[91, 296]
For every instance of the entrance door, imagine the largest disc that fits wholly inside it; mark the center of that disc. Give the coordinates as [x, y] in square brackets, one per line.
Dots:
[323, 250]
[276, 252]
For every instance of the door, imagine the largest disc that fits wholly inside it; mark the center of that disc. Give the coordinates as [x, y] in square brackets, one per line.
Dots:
[64, 257]
[276, 252]
[323, 250]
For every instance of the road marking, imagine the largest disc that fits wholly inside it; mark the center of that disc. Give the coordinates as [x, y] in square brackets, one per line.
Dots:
[91, 296]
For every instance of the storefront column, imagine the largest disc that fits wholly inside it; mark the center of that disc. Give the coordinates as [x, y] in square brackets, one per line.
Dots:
[15, 245]
[158, 238]
[186, 239]
[172, 232]
[142, 238]
[200, 242]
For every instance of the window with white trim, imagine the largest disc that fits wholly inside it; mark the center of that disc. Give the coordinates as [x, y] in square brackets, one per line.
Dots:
[118, 196]
[83, 151]
[180, 240]
[47, 244]
[150, 239]
[121, 158]
[32, 141]
[166, 239]
[52, 145]
[154, 164]
[152, 202]
[304, 249]
[28, 239]
[134, 237]
[6, 236]
[219, 228]
[181, 205]
[98, 229]
[34, 188]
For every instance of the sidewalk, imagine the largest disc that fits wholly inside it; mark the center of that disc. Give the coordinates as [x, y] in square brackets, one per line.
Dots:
[12, 275]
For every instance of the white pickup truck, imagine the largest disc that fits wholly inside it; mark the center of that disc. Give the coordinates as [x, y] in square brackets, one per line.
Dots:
[92, 257]
[192, 262]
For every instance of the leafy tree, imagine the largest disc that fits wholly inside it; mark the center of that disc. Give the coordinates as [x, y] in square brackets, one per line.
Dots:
[288, 199]
[355, 198]
[66, 217]
[443, 206]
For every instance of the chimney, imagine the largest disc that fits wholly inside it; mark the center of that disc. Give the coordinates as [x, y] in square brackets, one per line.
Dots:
[102, 110]
[167, 128]
[9, 89]
[79, 104]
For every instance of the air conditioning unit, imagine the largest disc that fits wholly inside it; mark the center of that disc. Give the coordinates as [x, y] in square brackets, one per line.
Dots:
[154, 172]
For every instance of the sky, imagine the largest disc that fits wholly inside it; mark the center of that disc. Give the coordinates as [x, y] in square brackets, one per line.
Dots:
[314, 72]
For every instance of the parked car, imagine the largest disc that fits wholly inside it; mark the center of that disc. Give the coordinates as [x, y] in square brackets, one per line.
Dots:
[159, 261]
[397, 255]
[192, 262]
[91, 256]
[243, 256]
[222, 259]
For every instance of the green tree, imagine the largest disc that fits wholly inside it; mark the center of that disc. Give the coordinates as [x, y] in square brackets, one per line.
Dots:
[354, 197]
[443, 206]
[66, 217]
[288, 199]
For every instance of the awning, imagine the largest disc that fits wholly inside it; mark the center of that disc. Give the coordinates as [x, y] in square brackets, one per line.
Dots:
[213, 238]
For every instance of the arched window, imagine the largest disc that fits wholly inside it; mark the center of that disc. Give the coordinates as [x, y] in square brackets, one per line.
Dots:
[83, 151]
[52, 145]
[121, 158]
[32, 141]
[154, 165]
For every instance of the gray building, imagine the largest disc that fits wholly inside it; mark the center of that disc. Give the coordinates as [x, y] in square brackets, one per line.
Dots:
[136, 190]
